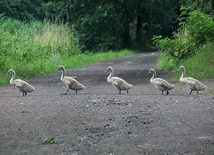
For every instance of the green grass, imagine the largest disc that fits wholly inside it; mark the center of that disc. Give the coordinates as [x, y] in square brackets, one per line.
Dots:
[49, 141]
[89, 58]
[199, 66]
[45, 66]
[209, 91]
[191, 45]
[37, 48]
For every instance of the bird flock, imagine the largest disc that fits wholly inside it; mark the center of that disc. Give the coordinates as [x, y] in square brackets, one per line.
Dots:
[119, 83]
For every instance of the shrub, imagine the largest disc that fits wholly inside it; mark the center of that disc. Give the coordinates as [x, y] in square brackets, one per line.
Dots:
[195, 29]
[37, 48]
[34, 48]
[201, 64]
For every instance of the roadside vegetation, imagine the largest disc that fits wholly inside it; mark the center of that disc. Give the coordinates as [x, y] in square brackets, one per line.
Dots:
[37, 37]
[36, 48]
[191, 45]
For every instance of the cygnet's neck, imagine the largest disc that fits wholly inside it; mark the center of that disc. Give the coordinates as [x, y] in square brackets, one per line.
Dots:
[63, 73]
[182, 74]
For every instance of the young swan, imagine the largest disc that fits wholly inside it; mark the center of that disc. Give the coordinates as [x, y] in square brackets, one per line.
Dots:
[70, 82]
[21, 85]
[159, 83]
[192, 84]
[117, 82]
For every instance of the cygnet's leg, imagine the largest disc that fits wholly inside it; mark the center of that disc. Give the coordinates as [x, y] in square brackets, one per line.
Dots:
[197, 92]
[119, 92]
[66, 92]
[167, 92]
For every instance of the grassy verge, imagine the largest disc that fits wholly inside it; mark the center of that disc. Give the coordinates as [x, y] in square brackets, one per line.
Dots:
[49, 65]
[36, 48]
[84, 59]
[199, 66]
[191, 45]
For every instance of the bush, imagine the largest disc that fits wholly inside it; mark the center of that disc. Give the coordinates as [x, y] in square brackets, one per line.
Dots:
[34, 48]
[37, 48]
[195, 29]
[201, 64]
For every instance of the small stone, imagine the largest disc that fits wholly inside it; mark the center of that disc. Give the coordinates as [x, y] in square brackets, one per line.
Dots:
[106, 125]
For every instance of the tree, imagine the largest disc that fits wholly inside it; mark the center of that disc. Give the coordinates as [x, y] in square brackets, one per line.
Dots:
[100, 24]
[205, 6]
[157, 17]
[24, 10]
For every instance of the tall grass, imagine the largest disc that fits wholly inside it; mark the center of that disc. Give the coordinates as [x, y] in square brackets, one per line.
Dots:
[199, 66]
[37, 48]
[192, 44]
[202, 64]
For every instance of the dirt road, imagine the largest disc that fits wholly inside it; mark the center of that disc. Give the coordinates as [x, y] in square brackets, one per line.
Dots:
[98, 121]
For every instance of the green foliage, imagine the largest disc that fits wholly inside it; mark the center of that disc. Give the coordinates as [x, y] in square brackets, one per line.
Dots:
[37, 48]
[113, 24]
[88, 58]
[192, 44]
[94, 23]
[22, 9]
[209, 91]
[34, 48]
[205, 6]
[195, 30]
[50, 141]
[96, 30]
[201, 27]
[201, 64]
[103, 25]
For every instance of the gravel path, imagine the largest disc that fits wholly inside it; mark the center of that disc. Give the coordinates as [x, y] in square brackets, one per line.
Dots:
[98, 121]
